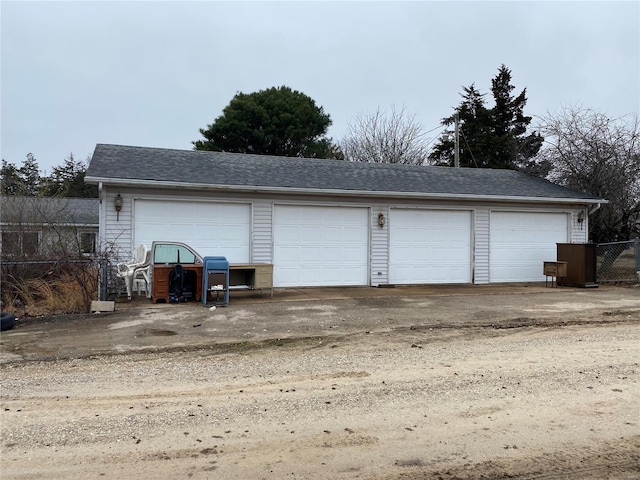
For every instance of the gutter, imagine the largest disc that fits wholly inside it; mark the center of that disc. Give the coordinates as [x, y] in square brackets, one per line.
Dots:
[596, 207]
[320, 191]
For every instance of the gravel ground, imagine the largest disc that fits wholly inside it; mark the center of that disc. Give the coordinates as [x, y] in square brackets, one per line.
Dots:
[526, 400]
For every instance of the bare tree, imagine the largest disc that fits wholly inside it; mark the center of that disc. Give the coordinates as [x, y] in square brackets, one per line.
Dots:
[386, 138]
[590, 152]
[49, 257]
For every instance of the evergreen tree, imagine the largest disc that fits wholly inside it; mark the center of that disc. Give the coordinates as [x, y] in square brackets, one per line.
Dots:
[474, 116]
[512, 147]
[67, 180]
[24, 181]
[276, 121]
[490, 137]
[30, 176]
[11, 181]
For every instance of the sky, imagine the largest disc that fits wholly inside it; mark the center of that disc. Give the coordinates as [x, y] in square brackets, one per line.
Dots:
[152, 73]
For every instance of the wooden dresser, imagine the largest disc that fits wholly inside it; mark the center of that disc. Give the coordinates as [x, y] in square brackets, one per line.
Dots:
[160, 281]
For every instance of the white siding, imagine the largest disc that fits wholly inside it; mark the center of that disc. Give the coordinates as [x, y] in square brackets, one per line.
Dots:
[118, 233]
[579, 229]
[379, 247]
[262, 232]
[481, 240]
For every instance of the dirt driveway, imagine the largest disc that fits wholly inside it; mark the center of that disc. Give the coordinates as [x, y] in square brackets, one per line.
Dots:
[525, 382]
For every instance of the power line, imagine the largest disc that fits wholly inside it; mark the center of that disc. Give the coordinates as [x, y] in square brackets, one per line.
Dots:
[467, 144]
[434, 128]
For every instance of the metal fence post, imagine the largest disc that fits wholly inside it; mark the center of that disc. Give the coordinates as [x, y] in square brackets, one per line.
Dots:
[103, 279]
[637, 248]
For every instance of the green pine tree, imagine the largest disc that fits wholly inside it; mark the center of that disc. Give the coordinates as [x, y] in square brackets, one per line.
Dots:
[276, 121]
[67, 180]
[490, 137]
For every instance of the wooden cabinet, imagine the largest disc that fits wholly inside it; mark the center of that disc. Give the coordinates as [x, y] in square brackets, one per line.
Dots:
[555, 269]
[160, 281]
[581, 264]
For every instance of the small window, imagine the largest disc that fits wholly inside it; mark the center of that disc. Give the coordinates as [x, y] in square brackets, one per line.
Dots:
[88, 242]
[20, 243]
[30, 243]
[10, 243]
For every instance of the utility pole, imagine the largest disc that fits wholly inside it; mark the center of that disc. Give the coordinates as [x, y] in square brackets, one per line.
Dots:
[456, 161]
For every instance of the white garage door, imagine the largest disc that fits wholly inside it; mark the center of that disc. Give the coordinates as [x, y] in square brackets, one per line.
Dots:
[320, 246]
[520, 242]
[429, 246]
[210, 228]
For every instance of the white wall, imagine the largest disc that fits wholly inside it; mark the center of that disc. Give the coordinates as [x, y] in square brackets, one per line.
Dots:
[118, 231]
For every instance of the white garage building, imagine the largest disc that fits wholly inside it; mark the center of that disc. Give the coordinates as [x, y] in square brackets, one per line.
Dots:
[336, 223]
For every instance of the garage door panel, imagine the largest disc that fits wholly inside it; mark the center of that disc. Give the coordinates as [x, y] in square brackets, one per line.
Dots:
[320, 246]
[210, 228]
[430, 246]
[348, 252]
[309, 234]
[521, 241]
[290, 235]
[230, 233]
[331, 254]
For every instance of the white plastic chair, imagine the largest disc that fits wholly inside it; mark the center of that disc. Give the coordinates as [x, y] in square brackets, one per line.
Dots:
[136, 269]
[141, 274]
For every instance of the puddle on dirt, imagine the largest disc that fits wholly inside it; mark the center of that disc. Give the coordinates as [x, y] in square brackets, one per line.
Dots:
[158, 332]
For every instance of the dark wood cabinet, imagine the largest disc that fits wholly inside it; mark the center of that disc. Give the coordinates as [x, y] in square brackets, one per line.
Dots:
[160, 281]
[581, 264]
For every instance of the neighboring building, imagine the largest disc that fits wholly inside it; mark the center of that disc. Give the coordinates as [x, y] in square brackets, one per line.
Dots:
[46, 227]
[330, 222]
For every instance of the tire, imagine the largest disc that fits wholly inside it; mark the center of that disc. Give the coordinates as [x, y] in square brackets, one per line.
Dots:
[7, 321]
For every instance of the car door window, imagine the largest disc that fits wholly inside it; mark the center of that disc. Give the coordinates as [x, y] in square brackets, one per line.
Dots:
[167, 253]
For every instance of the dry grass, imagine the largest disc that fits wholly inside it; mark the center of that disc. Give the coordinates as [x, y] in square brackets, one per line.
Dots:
[69, 292]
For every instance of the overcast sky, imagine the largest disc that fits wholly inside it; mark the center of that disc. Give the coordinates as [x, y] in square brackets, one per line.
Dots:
[152, 73]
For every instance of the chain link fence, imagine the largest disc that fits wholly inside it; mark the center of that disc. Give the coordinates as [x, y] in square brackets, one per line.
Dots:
[110, 285]
[618, 261]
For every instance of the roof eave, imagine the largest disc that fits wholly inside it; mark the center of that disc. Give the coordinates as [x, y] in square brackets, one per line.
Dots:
[324, 191]
[7, 223]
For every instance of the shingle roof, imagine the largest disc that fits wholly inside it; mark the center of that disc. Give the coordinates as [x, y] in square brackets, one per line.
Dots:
[47, 210]
[118, 164]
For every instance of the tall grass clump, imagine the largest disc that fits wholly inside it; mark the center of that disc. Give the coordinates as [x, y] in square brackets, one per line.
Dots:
[65, 289]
